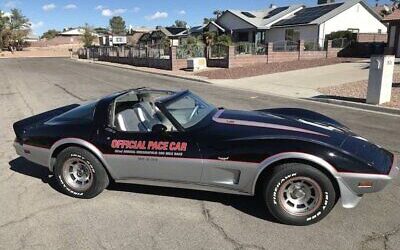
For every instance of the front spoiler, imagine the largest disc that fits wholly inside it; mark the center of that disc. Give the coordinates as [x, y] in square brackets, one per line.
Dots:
[351, 191]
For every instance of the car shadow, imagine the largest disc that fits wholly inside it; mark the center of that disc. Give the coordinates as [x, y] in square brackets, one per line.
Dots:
[22, 166]
[246, 204]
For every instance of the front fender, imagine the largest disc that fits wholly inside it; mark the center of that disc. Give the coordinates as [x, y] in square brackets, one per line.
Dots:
[348, 197]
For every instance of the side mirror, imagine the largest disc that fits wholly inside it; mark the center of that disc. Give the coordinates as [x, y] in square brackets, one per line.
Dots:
[159, 128]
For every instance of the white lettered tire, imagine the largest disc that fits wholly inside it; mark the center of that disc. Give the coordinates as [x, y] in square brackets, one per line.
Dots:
[298, 194]
[79, 173]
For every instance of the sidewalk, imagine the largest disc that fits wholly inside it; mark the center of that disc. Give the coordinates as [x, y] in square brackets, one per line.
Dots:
[302, 83]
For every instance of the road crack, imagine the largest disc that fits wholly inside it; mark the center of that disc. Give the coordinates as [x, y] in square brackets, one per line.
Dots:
[31, 215]
[210, 220]
[69, 92]
[380, 236]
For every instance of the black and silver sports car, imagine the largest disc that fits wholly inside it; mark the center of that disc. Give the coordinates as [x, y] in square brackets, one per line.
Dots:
[300, 161]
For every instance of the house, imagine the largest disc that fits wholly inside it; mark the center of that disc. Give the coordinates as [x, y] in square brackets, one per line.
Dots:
[112, 40]
[393, 46]
[214, 27]
[383, 10]
[172, 34]
[298, 22]
[73, 32]
[251, 26]
[196, 30]
[315, 23]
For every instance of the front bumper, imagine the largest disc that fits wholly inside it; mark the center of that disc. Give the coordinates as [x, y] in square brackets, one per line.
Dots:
[34, 154]
[352, 187]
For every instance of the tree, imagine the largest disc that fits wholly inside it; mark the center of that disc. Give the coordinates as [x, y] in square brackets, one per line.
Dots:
[117, 25]
[218, 13]
[207, 20]
[101, 30]
[18, 21]
[209, 37]
[87, 37]
[224, 40]
[13, 29]
[50, 34]
[3, 23]
[180, 24]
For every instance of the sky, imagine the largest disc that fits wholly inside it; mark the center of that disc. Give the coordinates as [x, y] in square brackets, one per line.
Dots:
[59, 14]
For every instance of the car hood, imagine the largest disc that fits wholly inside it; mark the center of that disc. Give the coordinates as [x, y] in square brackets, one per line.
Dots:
[287, 123]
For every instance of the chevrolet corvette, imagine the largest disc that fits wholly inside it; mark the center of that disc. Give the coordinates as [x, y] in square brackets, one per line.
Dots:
[299, 161]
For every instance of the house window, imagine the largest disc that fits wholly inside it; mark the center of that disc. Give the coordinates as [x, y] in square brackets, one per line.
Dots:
[292, 35]
[379, 31]
[260, 37]
[354, 30]
[243, 36]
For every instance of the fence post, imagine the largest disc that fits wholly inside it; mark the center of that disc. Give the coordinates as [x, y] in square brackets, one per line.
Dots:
[301, 48]
[329, 49]
[231, 56]
[270, 50]
[87, 53]
[173, 59]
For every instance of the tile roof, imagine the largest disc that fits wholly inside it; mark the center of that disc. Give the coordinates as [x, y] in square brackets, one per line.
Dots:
[394, 16]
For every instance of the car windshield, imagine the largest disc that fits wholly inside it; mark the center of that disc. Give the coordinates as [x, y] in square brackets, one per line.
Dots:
[189, 109]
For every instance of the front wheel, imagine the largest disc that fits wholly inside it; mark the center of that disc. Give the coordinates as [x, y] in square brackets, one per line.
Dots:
[79, 173]
[299, 194]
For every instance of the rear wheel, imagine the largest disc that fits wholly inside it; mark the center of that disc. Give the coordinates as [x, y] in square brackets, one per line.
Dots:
[79, 173]
[298, 194]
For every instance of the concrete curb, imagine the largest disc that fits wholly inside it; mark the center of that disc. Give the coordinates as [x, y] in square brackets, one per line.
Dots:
[123, 66]
[357, 105]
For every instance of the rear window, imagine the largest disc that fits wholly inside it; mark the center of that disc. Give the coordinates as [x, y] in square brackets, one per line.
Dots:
[85, 112]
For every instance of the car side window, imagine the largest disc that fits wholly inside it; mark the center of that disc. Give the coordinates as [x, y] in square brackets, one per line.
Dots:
[138, 117]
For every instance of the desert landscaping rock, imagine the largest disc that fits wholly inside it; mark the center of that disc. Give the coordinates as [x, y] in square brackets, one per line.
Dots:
[357, 91]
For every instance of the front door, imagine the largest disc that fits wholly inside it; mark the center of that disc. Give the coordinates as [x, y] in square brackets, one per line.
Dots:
[166, 156]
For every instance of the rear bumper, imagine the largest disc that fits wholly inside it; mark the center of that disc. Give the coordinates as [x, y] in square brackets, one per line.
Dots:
[34, 154]
[353, 185]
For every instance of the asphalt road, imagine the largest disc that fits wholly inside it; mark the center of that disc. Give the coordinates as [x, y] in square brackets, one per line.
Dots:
[33, 215]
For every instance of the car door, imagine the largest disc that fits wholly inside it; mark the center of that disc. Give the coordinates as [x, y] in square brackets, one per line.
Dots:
[166, 156]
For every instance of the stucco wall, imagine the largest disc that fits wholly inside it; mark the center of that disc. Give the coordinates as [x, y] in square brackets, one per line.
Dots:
[356, 17]
[307, 33]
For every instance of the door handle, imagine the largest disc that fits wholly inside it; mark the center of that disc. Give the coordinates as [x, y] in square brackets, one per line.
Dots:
[223, 158]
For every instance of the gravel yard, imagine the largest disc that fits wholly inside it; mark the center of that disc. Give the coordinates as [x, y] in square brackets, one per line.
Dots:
[263, 68]
[357, 91]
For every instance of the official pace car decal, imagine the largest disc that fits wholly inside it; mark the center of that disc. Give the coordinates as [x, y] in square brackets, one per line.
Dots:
[155, 148]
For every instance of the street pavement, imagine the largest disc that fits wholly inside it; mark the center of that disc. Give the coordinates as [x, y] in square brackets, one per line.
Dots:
[33, 215]
[303, 83]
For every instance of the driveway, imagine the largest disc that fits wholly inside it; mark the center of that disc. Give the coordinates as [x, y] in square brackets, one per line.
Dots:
[304, 82]
[33, 215]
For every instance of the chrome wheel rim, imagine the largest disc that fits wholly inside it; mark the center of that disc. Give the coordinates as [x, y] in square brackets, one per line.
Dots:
[77, 174]
[300, 196]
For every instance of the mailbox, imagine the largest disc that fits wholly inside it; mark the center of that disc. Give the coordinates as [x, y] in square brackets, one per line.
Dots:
[380, 79]
[197, 63]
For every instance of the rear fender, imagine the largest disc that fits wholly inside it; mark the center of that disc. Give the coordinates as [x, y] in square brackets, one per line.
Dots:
[81, 143]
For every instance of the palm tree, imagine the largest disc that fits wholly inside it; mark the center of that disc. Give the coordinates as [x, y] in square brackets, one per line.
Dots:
[218, 13]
